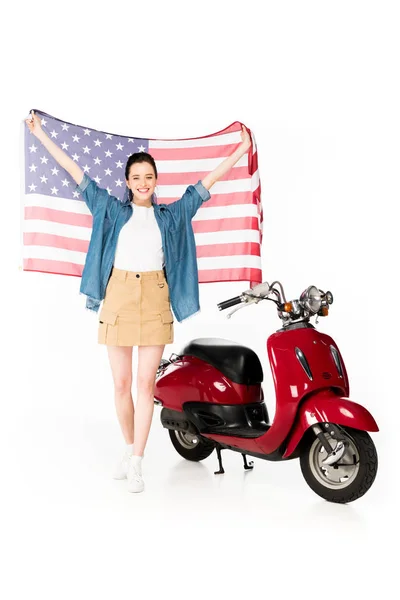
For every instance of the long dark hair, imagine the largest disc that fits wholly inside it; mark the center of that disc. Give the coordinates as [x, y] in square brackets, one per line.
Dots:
[139, 157]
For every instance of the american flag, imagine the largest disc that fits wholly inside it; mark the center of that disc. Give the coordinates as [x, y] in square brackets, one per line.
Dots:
[57, 223]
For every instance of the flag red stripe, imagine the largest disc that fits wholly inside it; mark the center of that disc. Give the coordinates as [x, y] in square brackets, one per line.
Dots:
[58, 216]
[191, 177]
[207, 226]
[235, 126]
[254, 163]
[55, 241]
[212, 250]
[240, 248]
[257, 199]
[52, 266]
[196, 153]
[220, 199]
[242, 274]
[229, 199]
[236, 223]
[205, 276]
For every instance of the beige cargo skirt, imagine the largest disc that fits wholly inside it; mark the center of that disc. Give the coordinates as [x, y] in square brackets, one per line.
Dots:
[136, 310]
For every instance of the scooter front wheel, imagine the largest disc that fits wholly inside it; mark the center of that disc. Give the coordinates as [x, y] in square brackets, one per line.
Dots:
[348, 479]
[190, 446]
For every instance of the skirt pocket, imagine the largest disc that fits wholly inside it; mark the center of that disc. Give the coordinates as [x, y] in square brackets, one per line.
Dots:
[167, 320]
[167, 317]
[108, 328]
[156, 329]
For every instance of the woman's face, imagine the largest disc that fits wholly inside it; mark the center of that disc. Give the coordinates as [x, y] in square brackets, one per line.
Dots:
[142, 181]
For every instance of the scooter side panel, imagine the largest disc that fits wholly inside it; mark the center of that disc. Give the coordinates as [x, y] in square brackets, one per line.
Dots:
[291, 381]
[327, 407]
[193, 380]
[290, 376]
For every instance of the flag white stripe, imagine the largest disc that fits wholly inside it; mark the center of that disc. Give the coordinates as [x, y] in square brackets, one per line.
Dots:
[71, 256]
[53, 228]
[164, 191]
[57, 203]
[220, 187]
[51, 253]
[227, 237]
[83, 233]
[254, 144]
[255, 180]
[196, 164]
[217, 140]
[226, 212]
[229, 262]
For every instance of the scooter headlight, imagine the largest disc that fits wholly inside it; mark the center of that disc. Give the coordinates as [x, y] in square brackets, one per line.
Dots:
[311, 299]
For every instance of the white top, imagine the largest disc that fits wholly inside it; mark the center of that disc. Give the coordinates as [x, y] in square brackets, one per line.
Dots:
[139, 246]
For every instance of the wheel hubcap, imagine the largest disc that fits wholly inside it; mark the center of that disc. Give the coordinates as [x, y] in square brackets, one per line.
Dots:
[187, 440]
[339, 475]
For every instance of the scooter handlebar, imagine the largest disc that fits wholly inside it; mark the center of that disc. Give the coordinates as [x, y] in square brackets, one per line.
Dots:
[228, 303]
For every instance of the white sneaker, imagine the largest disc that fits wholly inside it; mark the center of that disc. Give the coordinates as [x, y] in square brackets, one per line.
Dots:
[135, 479]
[121, 470]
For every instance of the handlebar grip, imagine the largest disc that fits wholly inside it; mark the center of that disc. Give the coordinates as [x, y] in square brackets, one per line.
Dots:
[228, 303]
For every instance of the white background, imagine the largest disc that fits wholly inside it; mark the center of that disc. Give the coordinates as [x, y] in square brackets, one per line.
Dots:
[317, 82]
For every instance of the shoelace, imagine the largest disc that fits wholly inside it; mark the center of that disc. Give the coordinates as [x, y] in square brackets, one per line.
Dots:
[133, 474]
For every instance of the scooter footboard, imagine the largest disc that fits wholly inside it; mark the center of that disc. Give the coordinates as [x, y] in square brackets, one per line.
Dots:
[326, 407]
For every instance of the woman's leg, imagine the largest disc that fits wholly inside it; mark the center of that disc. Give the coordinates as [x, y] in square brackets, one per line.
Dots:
[120, 358]
[148, 362]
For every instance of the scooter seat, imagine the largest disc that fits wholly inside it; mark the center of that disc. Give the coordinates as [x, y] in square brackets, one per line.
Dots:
[239, 363]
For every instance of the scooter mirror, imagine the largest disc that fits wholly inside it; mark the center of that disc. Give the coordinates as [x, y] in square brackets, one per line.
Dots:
[262, 289]
[329, 297]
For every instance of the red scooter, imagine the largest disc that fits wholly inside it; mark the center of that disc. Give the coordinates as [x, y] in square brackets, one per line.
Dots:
[212, 398]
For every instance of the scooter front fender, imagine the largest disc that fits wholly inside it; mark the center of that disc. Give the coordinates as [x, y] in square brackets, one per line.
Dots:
[327, 407]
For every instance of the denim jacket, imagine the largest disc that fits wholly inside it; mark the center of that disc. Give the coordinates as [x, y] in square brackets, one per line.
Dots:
[174, 221]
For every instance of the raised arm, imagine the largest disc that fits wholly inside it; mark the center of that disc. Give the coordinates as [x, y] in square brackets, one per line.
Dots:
[66, 162]
[194, 196]
[94, 196]
[228, 163]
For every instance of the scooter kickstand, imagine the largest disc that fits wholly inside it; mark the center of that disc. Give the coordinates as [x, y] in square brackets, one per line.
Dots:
[249, 465]
[221, 468]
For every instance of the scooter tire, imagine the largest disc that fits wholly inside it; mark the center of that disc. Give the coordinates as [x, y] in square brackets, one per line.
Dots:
[199, 451]
[365, 458]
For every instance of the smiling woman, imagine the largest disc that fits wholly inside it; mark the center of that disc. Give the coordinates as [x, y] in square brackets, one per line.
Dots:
[141, 177]
[136, 246]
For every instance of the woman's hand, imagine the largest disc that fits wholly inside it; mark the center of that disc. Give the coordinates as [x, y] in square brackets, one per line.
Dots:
[34, 123]
[65, 161]
[229, 162]
[246, 139]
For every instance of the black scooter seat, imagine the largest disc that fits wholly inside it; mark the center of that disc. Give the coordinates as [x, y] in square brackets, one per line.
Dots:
[239, 363]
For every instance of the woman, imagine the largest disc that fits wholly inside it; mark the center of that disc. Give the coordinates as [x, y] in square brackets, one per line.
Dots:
[136, 245]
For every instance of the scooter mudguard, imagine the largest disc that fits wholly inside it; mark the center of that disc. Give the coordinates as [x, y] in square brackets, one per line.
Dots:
[327, 407]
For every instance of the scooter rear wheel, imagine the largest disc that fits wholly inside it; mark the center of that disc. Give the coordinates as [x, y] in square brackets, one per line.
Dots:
[348, 479]
[190, 446]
